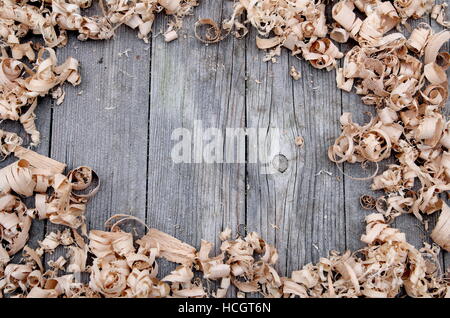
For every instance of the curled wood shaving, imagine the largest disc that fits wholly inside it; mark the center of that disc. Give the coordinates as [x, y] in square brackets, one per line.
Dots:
[14, 226]
[18, 177]
[58, 264]
[418, 38]
[299, 141]
[408, 93]
[20, 87]
[39, 161]
[322, 53]
[435, 42]
[51, 241]
[340, 35]
[170, 36]
[54, 18]
[367, 202]
[415, 9]
[225, 235]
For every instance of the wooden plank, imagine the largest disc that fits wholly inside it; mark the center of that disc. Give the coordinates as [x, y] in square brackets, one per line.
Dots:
[409, 224]
[414, 230]
[103, 123]
[194, 82]
[297, 209]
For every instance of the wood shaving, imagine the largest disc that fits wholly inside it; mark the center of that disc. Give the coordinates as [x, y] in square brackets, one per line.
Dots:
[414, 9]
[170, 248]
[339, 34]
[8, 143]
[170, 36]
[386, 267]
[14, 226]
[225, 235]
[299, 141]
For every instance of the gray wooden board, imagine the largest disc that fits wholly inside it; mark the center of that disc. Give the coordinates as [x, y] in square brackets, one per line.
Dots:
[121, 118]
[194, 82]
[43, 123]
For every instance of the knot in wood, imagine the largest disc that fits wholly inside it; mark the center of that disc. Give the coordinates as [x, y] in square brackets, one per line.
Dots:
[280, 163]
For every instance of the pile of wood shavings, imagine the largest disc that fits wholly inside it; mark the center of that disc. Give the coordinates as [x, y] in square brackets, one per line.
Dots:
[22, 84]
[121, 267]
[34, 175]
[405, 80]
[392, 80]
[299, 26]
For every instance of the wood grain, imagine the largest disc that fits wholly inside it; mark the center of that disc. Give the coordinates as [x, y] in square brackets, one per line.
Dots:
[298, 209]
[191, 82]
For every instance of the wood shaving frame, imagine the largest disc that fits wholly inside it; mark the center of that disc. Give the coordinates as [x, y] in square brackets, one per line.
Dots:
[403, 78]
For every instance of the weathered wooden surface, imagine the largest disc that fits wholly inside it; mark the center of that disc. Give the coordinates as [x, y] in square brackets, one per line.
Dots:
[121, 118]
